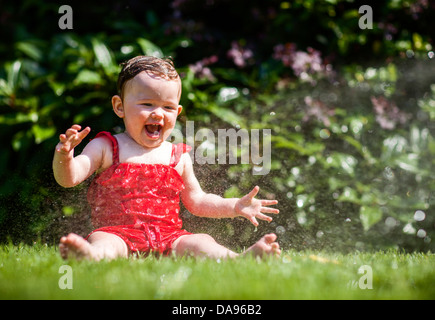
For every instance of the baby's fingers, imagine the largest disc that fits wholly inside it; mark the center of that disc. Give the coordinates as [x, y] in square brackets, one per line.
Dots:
[74, 134]
[72, 137]
[254, 221]
[82, 134]
[264, 217]
[268, 202]
[269, 210]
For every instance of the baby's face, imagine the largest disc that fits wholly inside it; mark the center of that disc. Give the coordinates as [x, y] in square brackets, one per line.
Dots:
[150, 108]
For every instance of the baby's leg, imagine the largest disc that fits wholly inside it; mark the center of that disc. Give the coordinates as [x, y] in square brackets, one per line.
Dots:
[201, 245]
[100, 245]
[204, 245]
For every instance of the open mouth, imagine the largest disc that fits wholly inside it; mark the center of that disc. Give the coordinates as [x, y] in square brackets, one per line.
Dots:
[153, 130]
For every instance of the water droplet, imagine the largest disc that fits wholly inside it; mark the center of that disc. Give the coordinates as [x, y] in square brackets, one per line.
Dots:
[311, 160]
[390, 222]
[295, 171]
[421, 233]
[228, 93]
[419, 215]
[409, 229]
[302, 217]
[291, 183]
[280, 230]
[324, 133]
[388, 173]
[300, 203]
[409, 53]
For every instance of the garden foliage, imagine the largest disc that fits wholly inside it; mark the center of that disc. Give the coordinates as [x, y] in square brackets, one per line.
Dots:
[351, 111]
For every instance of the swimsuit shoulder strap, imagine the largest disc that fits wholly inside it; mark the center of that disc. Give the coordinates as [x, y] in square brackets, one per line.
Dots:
[115, 147]
[177, 151]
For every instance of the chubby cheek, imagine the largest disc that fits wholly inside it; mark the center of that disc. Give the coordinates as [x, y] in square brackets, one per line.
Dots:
[168, 127]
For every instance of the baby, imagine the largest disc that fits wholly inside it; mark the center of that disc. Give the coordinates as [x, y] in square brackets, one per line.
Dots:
[140, 177]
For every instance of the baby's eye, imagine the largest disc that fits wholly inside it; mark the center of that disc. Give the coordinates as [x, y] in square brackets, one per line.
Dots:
[147, 104]
[170, 107]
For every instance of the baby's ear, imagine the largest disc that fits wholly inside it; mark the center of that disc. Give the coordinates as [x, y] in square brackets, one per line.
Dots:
[118, 107]
[180, 108]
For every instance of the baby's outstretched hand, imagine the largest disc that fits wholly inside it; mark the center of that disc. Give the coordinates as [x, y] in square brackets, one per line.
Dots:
[252, 208]
[71, 138]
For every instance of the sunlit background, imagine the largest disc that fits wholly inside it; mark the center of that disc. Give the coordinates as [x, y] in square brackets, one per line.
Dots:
[351, 111]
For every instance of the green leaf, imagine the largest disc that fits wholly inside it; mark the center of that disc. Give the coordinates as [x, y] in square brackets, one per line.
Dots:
[232, 192]
[30, 50]
[408, 162]
[349, 195]
[393, 146]
[227, 115]
[282, 142]
[13, 71]
[104, 56]
[5, 89]
[12, 119]
[369, 216]
[87, 77]
[149, 48]
[68, 210]
[342, 161]
[42, 133]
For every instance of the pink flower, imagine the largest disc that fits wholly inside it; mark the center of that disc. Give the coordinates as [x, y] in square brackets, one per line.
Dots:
[201, 70]
[284, 52]
[318, 110]
[305, 65]
[240, 56]
[388, 115]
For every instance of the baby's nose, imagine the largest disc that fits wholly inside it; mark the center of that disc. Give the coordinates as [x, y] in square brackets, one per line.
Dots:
[157, 113]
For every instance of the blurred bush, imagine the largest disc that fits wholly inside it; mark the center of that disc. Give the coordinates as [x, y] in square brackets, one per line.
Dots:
[351, 111]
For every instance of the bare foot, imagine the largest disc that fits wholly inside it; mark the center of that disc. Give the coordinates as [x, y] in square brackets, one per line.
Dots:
[266, 246]
[76, 247]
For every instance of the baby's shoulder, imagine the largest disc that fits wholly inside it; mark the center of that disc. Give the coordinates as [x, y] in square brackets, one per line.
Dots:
[104, 147]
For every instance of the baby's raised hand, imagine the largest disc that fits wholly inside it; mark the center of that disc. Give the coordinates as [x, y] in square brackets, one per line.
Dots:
[71, 138]
[252, 208]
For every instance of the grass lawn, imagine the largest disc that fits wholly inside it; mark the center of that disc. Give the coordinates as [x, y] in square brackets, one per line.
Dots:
[34, 272]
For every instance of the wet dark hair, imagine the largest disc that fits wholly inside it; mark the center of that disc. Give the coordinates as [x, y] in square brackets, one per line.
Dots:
[159, 67]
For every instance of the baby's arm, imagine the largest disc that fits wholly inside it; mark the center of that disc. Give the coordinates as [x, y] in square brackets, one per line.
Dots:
[68, 170]
[210, 205]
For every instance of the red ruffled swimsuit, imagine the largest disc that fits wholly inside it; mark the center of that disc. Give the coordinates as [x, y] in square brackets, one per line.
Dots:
[139, 202]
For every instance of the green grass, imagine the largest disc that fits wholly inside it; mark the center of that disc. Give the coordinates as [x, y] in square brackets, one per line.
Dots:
[32, 272]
